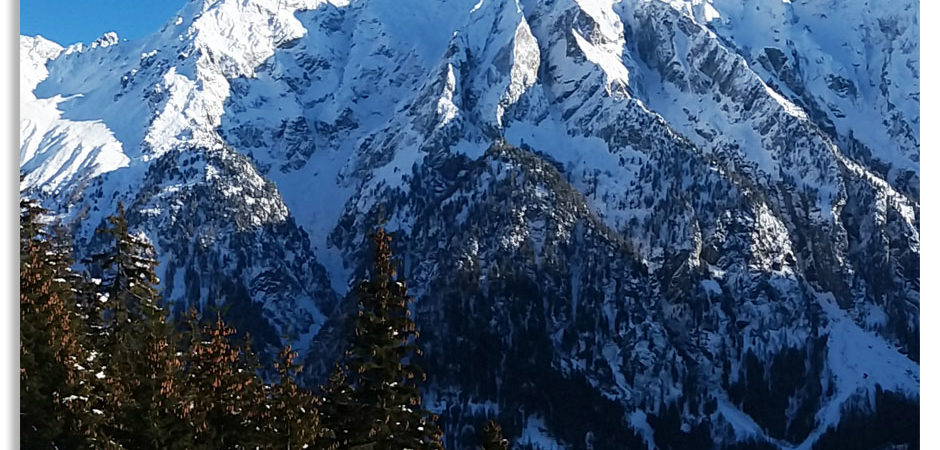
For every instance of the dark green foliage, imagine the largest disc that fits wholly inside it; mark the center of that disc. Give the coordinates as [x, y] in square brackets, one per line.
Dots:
[493, 437]
[126, 268]
[294, 411]
[765, 391]
[892, 422]
[669, 434]
[382, 373]
[53, 400]
[101, 366]
[514, 308]
[337, 409]
[138, 361]
[220, 392]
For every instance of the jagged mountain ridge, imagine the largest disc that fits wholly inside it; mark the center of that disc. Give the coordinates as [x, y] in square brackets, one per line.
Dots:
[746, 214]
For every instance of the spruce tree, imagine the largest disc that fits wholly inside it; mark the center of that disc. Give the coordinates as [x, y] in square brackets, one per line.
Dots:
[53, 411]
[219, 402]
[262, 429]
[381, 359]
[493, 437]
[295, 411]
[336, 411]
[140, 369]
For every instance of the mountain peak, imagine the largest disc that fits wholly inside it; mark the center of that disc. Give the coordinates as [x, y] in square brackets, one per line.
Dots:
[106, 40]
[682, 204]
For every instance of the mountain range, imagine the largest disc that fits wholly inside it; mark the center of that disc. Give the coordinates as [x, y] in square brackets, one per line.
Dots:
[626, 223]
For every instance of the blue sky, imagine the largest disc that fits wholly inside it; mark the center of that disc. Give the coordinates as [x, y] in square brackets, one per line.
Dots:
[70, 21]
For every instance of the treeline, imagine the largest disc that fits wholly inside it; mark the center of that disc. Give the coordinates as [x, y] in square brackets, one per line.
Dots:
[102, 365]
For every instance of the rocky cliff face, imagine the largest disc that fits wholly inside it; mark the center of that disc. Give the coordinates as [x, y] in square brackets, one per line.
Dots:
[627, 224]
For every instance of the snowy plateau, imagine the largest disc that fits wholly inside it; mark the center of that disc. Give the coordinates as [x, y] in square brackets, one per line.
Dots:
[627, 223]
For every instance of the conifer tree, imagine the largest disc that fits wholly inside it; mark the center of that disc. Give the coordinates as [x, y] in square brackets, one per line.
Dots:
[218, 403]
[296, 419]
[493, 437]
[138, 357]
[52, 410]
[336, 410]
[381, 359]
[262, 431]
[97, 388]
[100, 366]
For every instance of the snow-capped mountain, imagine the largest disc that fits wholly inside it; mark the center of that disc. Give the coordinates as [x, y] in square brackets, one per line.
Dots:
[628, 224]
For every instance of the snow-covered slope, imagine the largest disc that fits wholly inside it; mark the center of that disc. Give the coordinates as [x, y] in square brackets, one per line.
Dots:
[57, 153]
[699, 218]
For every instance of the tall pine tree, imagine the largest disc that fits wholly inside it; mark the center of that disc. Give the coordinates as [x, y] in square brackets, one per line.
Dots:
[295, 411]
[53, 411]
[388, 410]
[220, 399]
[336, 410]
[140, 369]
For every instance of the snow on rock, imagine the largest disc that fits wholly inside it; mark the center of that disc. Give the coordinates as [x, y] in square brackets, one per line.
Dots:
[632, 194]
[525, 67]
